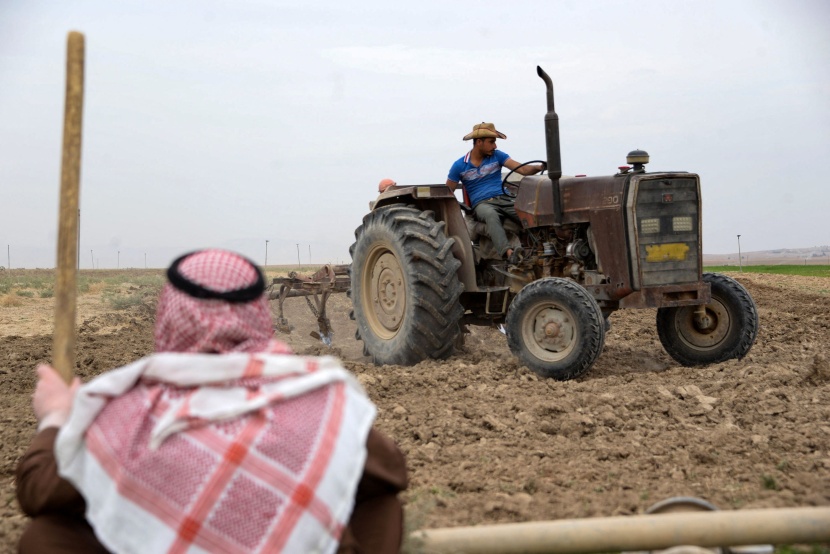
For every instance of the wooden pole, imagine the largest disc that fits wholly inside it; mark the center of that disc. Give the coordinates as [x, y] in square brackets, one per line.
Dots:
[632, 533]
[63, 345]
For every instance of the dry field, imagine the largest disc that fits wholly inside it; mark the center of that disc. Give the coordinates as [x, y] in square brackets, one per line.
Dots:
[486, 441]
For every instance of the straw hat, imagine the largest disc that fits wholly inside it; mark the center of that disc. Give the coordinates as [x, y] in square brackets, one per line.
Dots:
[484, 130]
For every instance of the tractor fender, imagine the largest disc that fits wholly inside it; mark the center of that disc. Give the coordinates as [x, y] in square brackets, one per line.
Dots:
[442, 201]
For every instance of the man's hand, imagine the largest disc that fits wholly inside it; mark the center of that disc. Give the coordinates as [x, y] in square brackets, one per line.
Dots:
[52, 400]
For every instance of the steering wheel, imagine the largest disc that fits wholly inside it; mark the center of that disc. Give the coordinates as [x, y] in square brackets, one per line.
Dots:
[509, 192]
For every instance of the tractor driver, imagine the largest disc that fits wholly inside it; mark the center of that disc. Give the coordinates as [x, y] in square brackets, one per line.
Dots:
[479, 172]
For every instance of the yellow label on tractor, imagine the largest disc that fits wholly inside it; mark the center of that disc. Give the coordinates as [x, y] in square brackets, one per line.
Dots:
[673, 252]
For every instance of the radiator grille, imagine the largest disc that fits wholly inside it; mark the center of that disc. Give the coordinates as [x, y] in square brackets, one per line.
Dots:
[667, 225]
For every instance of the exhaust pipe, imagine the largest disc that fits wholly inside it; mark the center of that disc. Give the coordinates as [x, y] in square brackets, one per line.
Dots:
[554, 152]
[551, 130]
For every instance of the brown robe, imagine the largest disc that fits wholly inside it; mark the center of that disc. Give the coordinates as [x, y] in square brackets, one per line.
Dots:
[57, 509]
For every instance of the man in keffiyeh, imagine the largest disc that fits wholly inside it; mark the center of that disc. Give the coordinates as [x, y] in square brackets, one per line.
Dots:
[221, 441]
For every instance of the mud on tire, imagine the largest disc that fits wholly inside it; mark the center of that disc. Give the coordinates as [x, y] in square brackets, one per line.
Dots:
[732, 325]
[555, 327]
[404, 286]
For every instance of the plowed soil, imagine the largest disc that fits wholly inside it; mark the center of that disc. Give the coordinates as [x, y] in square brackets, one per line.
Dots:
[487, 441]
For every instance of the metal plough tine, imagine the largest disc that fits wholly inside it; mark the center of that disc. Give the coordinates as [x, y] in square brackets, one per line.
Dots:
[320, 285]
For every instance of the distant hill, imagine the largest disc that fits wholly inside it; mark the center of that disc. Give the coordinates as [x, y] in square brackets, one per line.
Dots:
[814, 255]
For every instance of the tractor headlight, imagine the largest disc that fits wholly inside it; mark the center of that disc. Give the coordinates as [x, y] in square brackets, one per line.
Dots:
[682, 224]
[650, 226]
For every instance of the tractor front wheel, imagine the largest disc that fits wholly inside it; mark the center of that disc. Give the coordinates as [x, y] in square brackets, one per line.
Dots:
[555, 327]
[723, 329]
[404, 286]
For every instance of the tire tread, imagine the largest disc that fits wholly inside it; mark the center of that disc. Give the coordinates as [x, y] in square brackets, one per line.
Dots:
[745, 313]
[432, 325]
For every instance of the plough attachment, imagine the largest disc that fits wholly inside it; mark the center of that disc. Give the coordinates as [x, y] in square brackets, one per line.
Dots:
[329, 279]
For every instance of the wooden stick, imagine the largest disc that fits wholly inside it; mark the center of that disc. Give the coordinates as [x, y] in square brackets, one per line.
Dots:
[63, 345]
[633, 533]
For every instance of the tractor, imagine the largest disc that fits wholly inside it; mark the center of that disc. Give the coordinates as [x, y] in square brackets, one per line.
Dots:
[423, 269]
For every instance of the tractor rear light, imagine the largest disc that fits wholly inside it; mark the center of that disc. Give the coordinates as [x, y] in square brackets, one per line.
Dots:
[682, 224]
[650, 226]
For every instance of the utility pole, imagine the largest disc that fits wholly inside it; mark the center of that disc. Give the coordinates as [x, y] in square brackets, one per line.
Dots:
[118, 261]
[740, 263]
[92, 257]
[266, 254]
[299, 263]
[9, 256]
[309, 254]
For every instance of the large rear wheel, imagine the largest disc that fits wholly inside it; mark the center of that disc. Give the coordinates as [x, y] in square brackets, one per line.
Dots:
[726, 330]
[555, 327]
[404, 286]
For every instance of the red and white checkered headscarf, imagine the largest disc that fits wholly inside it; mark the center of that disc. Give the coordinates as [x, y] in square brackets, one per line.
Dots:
[237, 453]
[185, 451]
[185, 323]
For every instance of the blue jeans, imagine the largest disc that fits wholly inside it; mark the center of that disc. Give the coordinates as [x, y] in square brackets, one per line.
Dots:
[493, 212]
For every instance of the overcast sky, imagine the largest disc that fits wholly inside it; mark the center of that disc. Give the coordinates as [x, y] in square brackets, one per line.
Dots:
[231, 122]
